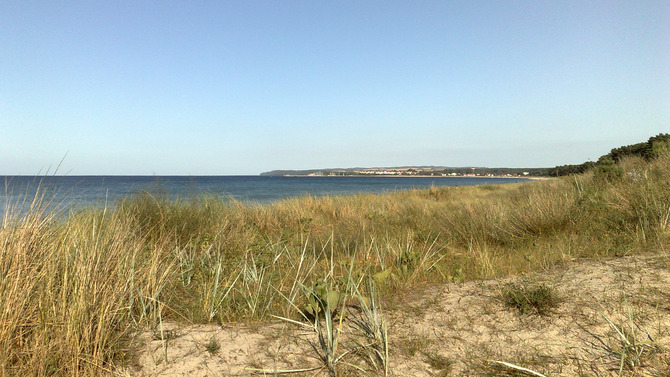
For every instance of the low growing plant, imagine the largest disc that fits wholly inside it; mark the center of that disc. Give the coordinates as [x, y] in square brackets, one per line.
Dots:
[530, 299]
[212, 346]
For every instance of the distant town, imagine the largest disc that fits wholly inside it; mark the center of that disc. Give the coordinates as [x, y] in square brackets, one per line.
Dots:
[435, 171]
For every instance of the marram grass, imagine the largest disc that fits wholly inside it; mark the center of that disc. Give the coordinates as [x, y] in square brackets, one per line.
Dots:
[75, 290]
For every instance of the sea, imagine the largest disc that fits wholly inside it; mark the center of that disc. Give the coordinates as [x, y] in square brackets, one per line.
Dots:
[73, 192]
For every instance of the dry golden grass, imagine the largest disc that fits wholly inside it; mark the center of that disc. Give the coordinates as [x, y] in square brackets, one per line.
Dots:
[75, 290]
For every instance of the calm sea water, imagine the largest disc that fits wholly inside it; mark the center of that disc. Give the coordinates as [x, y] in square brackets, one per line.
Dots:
[74, 191]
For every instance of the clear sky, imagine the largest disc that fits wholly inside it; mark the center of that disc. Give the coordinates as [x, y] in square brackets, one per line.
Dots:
[240, 87]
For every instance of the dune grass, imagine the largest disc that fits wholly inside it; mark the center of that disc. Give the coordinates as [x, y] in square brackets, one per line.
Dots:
[74, 291]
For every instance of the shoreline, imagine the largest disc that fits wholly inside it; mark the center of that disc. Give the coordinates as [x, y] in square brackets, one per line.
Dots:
[411, 176]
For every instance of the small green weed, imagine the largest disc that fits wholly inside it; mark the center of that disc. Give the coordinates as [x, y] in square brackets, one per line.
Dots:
[212, 346]
[527, 299]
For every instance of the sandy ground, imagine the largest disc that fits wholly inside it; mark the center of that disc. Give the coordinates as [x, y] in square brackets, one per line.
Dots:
[457, 329]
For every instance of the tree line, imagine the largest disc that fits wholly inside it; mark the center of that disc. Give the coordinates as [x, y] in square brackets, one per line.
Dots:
[647, 150]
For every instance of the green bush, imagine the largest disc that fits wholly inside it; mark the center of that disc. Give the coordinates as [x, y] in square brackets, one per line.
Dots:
[607, 170]
[528, 299]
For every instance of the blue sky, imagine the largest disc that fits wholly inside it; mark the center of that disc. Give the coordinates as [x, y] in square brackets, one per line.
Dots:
[223, 87]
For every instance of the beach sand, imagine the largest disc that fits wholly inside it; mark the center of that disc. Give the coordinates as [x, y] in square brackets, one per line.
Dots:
[456, 329]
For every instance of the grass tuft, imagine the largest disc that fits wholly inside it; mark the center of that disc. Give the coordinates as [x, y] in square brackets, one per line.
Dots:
[527, 299]
[212, 346]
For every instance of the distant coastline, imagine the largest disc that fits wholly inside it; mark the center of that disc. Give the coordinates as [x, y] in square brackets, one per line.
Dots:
[414, 171]
[414, 176]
